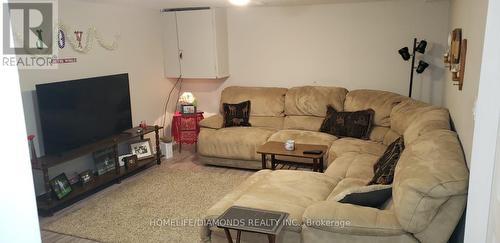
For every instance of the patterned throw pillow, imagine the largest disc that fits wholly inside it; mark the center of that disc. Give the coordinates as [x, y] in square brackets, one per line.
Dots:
[385, 166]
[356, 124]
[237, 115]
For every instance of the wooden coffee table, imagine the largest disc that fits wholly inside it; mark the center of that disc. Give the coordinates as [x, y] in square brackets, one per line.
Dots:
[276, 148]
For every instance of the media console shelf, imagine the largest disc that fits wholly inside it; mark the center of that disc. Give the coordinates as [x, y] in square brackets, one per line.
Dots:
[47, 203]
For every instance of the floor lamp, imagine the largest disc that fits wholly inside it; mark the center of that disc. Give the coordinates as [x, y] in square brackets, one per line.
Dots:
[418, 46]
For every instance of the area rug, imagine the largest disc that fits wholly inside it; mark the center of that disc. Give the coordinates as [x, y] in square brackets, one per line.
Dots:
[162, 205]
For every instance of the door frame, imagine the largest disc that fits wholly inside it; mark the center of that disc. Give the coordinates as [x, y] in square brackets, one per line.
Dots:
[485, 132]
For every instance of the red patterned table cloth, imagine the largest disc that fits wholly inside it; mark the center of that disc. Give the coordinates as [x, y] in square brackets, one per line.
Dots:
[185, 127]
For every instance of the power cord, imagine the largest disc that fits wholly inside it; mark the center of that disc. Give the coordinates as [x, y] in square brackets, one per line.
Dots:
[165, 108]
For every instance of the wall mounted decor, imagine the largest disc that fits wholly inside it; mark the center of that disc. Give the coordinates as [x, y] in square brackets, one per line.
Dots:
[455, 57]
[418, 46]
[76, 38]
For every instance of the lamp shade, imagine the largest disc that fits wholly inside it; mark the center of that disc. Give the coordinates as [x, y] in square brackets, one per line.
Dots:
[405, 53]
[421, 46]
[187, 98]
[422, 66]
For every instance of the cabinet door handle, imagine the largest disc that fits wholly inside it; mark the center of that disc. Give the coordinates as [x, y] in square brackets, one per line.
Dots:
[180, 55]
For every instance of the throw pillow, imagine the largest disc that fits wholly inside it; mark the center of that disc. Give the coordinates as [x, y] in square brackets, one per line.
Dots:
[356, 124]
[237, 115]
[384, 168]
[373, 196]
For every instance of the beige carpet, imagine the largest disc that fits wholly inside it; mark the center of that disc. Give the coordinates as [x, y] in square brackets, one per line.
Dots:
[132, 211]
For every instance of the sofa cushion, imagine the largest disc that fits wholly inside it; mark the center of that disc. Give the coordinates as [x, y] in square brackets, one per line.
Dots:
[280, 190]
[430, 171]
[265, 101]
[303, 137]
[285, 191]
[413, 118]
[275, 122]
[363, 221]
[355, 124]
[352, 165]
[214, 122]
[313, 100]
[237, 115]
[233, 142]
[378, 133]
[309, 123]
[381, 102]
[384, 135]
[217, 122]
[390, 137]
[349, 145]
[346, 184]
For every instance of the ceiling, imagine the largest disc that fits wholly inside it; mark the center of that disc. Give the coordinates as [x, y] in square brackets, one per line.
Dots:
[161, 4]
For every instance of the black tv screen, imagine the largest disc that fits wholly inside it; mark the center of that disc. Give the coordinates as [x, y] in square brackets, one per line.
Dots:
[79, 112]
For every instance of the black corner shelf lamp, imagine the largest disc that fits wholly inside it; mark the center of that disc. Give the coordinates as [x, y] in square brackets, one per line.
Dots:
[418, 46]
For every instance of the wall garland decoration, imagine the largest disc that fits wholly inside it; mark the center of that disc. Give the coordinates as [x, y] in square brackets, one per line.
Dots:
[61, 39]
[91, 35]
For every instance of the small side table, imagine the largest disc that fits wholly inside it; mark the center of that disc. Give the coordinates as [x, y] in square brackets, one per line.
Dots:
[251, 220]
[185, 128]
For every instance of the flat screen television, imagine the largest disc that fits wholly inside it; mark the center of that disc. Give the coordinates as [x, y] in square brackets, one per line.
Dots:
[80, 112]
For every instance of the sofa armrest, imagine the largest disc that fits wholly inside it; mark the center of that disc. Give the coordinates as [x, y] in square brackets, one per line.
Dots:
[346, 218]
[214, 122]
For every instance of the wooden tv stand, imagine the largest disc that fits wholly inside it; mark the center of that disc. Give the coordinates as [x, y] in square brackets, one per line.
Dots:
[47, 203]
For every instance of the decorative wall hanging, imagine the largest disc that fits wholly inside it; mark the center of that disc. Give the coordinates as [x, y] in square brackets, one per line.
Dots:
[76, 38]
[455, 57]
[61, 39]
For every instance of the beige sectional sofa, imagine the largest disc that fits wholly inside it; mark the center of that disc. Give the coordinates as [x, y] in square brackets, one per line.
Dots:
[430, 183]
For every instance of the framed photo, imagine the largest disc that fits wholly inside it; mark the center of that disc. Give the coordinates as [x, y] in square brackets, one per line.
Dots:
[188, 109]
[130, 161]
[86, 177]
[74, 178]
[121, 159]
[104, 160]
[60, 186]
[142, 149]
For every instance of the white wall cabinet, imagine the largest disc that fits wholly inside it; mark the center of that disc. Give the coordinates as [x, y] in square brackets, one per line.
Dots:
[195, 44]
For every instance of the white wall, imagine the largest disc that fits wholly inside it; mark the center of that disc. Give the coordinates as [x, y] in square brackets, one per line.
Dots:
[471, 17]
[353, 45]
[139, 53]
[18, 220]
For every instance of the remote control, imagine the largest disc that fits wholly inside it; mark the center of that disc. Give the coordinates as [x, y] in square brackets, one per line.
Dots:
[313, 152]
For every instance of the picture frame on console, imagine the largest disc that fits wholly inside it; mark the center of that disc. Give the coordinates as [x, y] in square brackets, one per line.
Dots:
[121, 159]
[142, 149]
[60, 186]
[86, 177]
[188, 109]
[104, 160]
[130, 161]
